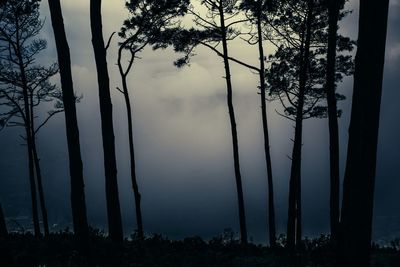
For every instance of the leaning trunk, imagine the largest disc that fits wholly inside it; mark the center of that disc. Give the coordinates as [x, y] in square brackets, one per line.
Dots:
[332, 117]
[359, 181]
[271, 206]
[294, 226]
[238, 177]
[3, 226]
[110, 164]
[78, 202]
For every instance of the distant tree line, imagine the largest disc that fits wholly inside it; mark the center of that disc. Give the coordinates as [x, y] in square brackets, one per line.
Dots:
[309, 60]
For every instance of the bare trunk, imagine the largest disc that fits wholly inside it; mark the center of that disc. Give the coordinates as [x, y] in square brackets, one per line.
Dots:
[238, 177]
[333, 120]
[110, 164]
[32, 183]
[3, 226]
[359, 181]
[135, 186]
[271, 206]
[40, 189]
[38, 171]
[78, 202]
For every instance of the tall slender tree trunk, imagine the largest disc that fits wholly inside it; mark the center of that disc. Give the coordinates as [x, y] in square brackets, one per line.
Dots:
[32, 183]
[238, 177]
[294, 213]
[333, 10]
[28, 122]
[40, 188]
[38, 171]
[110, 164]
[359, 181]
[263, 88]
[78, 202]
[135, 186]
[294, 227]
[3, 225]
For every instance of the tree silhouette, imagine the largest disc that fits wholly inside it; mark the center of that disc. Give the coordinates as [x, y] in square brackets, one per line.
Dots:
[213, 30]
[3, 226]
[255, 11]
[149, 23]
[78, 202]
[110, 163]
[296, 78]
[359, 180]
[24, 85]
[334, 8]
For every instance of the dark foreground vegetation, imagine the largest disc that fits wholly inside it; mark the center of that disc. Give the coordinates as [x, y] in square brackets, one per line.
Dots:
[61, 249]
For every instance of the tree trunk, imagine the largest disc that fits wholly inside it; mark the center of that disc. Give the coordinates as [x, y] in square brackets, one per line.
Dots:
[78, 202]
[110, 165]
[28, 122]
[294, 227]
[135, 186]
[3, 226]
[40, 188]
[271, 206]
[238, 177]
[333, 9]
[359, 181]
[32, 183]
[38, 171]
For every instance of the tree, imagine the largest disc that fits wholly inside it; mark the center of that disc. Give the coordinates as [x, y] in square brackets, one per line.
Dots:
[359, 180]
[334, 8]
[78, 202]
[24, 85]
[3, 226]
[214, 30]
[149, 23]
[296, 77]
[110, 163]
[255, 11]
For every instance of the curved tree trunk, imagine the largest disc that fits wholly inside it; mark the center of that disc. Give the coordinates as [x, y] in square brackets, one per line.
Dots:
[238, 177]
[271, 205]
[110, 164]
[359, 180]
[135, 186]
[333, 10]
[78, 202]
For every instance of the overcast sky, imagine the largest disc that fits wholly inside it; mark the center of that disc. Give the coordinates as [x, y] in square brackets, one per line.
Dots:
[183, 142]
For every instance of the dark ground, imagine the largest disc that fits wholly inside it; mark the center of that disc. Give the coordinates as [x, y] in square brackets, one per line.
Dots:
[60, 249]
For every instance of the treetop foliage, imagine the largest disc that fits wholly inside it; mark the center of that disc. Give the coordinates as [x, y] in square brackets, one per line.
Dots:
[19, 47]
[151, 22]
[287, 30]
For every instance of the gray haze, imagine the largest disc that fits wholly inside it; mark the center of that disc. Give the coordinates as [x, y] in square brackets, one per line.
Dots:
[183, 142]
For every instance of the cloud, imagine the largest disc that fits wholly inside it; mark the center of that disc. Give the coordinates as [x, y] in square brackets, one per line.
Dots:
[394, 52]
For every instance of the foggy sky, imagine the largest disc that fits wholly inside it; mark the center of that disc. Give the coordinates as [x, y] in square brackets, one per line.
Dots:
[183, 143]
